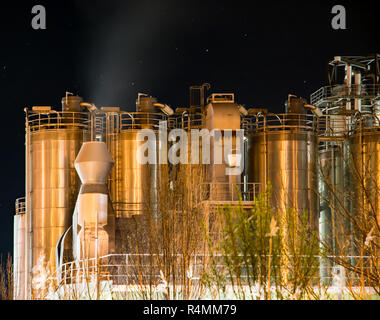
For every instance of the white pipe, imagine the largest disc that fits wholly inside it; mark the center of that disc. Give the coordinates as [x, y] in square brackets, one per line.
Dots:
[242, 110]
[348, 81]
[89, 106]
[314, 109]
[164, 108]
[358, 83]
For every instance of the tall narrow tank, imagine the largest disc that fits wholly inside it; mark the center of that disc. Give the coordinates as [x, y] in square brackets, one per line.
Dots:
[53, 139]
[19, 251]
[282, 150]
[364, 150]
[333, 192]
[134, 185]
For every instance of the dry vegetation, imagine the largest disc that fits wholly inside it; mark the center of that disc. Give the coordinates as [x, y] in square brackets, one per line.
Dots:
[6, 278]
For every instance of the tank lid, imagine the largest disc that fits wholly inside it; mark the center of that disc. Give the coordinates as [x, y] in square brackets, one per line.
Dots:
[221, 98]
[295, 104]
[145, 103]
[72, 103]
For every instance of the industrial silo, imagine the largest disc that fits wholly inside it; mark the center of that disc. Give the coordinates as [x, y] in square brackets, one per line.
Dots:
[364, 154]
[189, 177]
[335, 194]
[53, 139]
[282, 150]
[133, 184]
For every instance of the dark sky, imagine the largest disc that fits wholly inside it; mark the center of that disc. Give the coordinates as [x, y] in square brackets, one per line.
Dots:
[108, 51]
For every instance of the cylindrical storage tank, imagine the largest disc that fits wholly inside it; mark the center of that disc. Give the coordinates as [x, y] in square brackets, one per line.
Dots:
[331, 190]
[133, 185]
[19, 251]
[364, 150]
[190, 178]
[286, 157]
[52, 181]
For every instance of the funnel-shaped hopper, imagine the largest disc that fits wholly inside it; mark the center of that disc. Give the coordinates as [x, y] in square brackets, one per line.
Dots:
[93, 163]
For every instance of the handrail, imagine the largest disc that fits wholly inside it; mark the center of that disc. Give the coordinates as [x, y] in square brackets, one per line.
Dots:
[52, 120]
[342, 90]
[130, 268]
[189, 121]
[225, 192]
[20, 206]
[281, 122]
[140, 120]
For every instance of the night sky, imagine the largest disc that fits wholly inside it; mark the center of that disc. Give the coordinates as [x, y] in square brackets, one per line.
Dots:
[108, 51]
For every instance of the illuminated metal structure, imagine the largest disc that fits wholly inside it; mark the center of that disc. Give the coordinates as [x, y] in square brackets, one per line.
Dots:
[301, 153]
[349, 148]
[44, 218]
[132, 184]
[93, 219]
[19, 249]
[53, 139]
[282, 152]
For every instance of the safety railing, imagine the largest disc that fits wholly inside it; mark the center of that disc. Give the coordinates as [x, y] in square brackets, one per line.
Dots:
[229, 191]
[333, 126]
[132, 269]
[281, 122]
[328, 93]
[140, 120]
[20, 206]
[365, 123]
[187, 121]
[53, 120]
[122, 209]
[336, 125]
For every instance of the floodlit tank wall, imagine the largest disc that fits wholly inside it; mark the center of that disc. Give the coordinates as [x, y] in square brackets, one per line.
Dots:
[332, 171]
[133, 185]
[364, 152]
[282, 151]
[349, 151]
[191, 175]
[53, 141]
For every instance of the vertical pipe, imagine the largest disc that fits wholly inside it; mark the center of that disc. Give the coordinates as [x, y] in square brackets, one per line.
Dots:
[96, 257]
[28, 219]
[348, 81]
[358, 82]
[92, 125]
[376, 68]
